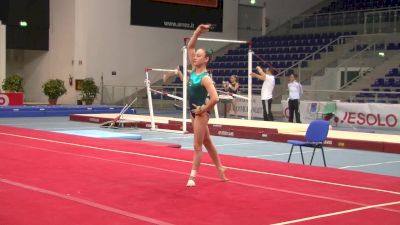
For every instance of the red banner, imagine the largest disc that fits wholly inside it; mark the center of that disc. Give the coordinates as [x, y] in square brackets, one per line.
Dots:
[12, 98]
[206, 3]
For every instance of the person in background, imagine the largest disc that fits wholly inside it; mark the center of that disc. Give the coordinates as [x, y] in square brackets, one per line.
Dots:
[295, 91]
[232, 87]
[266, 91]
[178, 72]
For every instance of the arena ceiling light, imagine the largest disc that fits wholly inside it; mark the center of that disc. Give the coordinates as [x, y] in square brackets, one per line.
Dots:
[23, 23]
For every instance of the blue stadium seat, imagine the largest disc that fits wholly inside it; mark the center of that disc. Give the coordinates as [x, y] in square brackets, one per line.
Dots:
[378, 82]
[394, 72]
[392, 46]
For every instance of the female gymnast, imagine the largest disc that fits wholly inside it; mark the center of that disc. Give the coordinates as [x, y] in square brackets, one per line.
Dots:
[232, 87]
[200, 85]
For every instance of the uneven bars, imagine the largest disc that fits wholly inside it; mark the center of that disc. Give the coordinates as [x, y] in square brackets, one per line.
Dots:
[127, 106]
[160, 70]
[249, 83]
[184, 94]
[223, 40]
[150, 100]
[234, 95]
[166, 94]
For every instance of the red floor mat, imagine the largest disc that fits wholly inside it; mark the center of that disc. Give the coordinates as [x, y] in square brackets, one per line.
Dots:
[147, 184]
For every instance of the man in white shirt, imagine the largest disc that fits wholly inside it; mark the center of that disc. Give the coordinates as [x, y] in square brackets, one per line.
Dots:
[266, 91]
[295, 91]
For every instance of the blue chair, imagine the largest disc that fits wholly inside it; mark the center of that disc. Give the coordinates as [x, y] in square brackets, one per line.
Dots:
[316, 134]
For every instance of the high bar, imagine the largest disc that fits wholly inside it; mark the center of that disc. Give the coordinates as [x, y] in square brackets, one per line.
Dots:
[160, 70]
[166, 94]
[223, 40]
[234, 95]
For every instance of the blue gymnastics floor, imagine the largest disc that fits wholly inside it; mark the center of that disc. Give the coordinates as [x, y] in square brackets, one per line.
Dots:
[102, 134]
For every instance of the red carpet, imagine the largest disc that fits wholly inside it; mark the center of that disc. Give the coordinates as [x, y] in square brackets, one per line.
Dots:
[52, 178]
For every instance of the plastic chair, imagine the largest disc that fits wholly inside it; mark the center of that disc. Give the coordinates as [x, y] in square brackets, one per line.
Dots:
[316, 134]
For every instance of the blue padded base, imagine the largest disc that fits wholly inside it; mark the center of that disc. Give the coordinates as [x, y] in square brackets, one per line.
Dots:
[102, 134]
[58, 110]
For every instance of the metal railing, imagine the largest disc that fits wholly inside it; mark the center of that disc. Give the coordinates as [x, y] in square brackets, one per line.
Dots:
[117, 95]
[343, 18]
[350, 56]
[120, 95]
[361, 46]
[350, 96]
[382, 21]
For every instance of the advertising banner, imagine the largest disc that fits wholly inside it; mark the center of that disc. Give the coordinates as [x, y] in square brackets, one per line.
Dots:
[241, 106]
[207, 3]
[177, 14]
[11, 99]
[350, 115]
[363, 115]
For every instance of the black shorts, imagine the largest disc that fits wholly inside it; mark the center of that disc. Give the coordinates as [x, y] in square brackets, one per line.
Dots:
[192, 113]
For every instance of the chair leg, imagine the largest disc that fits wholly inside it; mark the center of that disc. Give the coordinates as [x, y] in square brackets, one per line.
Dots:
[312, 157]
[323, 155]
[290, 155]
[302, 157]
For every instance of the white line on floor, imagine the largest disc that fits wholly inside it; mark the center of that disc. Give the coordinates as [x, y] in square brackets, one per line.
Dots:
[206, 177]
[85, 202]
[371, 164]
[205, 164]
[337, 213]
[278, 154]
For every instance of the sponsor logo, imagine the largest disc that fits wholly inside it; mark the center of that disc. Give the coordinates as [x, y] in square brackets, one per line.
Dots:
[179, 25]
[286, 112]
[226, 133]
[96, 120]
[370, 119]
[328, 142]
[4, 100]
[148, 125]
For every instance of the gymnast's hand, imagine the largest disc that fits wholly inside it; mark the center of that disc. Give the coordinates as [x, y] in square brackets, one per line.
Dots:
[198, 110]
[202, 28]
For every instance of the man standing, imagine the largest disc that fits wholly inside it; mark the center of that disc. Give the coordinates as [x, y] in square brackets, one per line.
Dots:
[266, 91]
[295, 91]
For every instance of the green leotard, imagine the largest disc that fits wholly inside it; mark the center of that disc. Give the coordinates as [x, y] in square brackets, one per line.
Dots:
[197, 93]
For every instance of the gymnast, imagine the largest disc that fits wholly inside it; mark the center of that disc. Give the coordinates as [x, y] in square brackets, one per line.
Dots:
[199, 86]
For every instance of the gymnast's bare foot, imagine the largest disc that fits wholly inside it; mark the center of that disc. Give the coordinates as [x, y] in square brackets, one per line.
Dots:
[221, 171]
[191, 182]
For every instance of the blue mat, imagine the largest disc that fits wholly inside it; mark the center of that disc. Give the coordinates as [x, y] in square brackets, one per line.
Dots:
[58, 110]
[102, 134]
